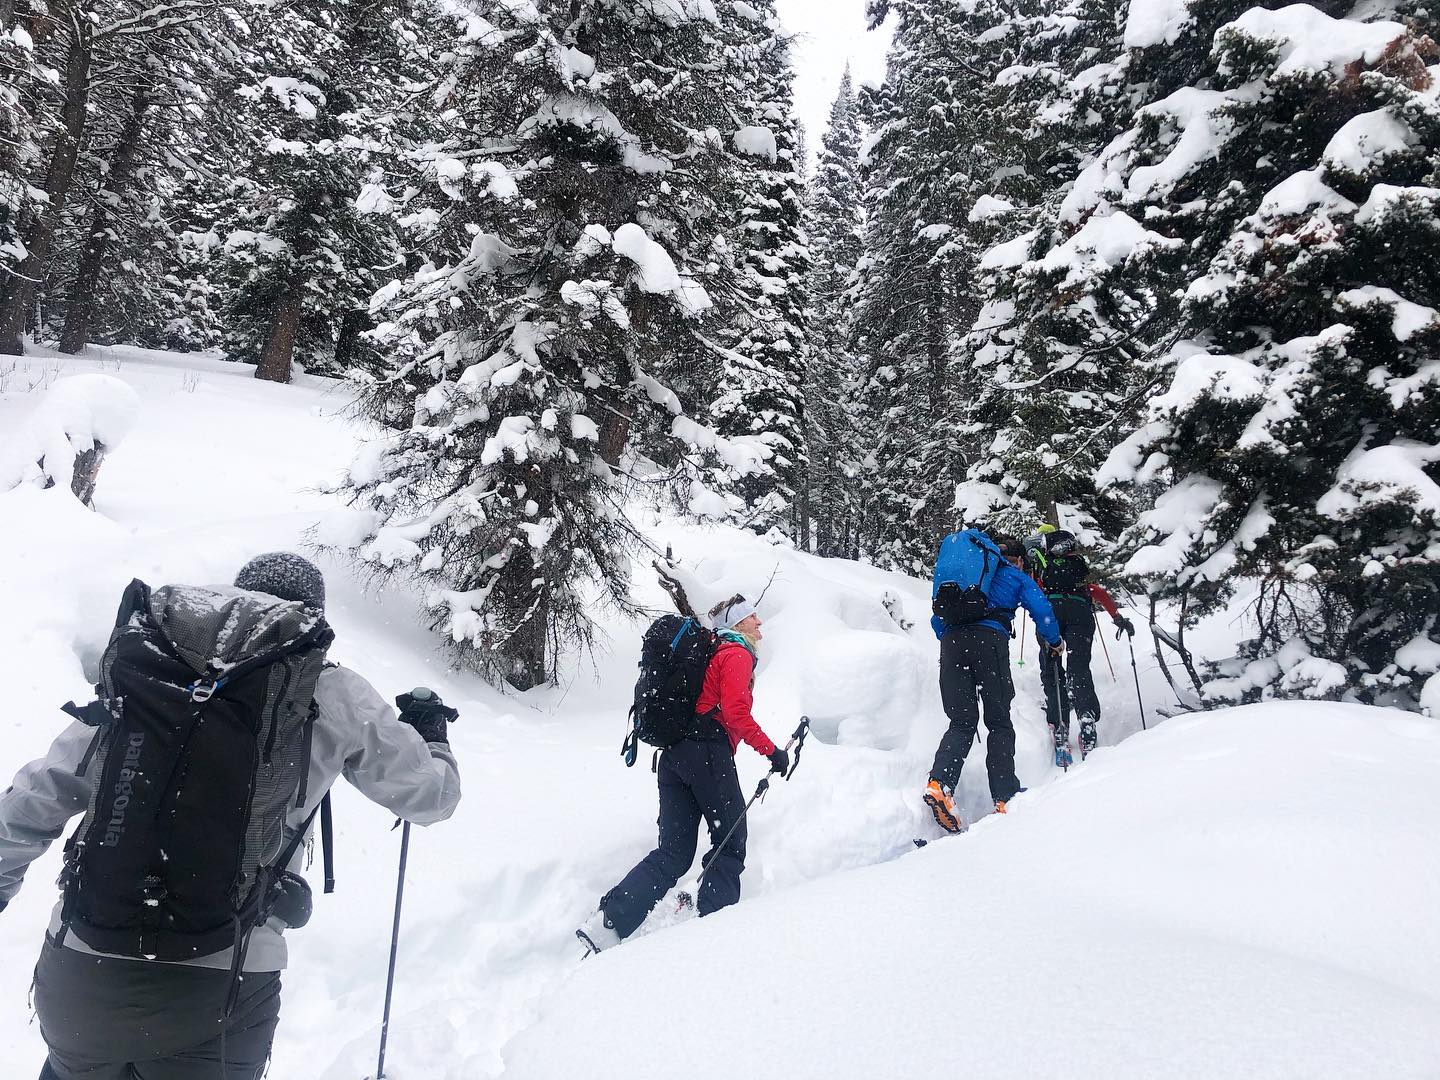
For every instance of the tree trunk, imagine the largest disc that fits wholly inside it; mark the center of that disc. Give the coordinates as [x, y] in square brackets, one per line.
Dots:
[19, 293]
[87, 473]
[279, 351]
[615, 432]
[84, 292]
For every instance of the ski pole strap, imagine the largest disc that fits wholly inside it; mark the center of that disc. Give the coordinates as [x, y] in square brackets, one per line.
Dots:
[798, 741]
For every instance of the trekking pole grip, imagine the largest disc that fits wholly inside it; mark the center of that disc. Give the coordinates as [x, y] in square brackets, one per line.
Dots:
[797, 740]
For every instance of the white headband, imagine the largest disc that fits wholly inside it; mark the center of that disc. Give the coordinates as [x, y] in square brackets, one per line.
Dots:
[731, 615]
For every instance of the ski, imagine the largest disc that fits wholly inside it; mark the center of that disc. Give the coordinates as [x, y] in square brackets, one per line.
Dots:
[1064, 758]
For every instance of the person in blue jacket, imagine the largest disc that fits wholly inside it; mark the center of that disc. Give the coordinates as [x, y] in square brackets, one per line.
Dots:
[975, 655]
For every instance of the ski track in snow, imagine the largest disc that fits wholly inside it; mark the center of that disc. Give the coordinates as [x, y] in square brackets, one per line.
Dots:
[220, 467]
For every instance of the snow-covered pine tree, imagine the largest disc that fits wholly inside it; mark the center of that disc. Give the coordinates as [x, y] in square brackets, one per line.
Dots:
[1055, 341]
[94, 48]
[1296, 434]
[21, 78]
[301, 258]
[929, 161]
[761, 384]
[566, 225]
[107, 281]
[833, 224]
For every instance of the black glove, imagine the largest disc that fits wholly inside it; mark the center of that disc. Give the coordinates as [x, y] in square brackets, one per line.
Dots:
[423, 710]
[780, 761]
[1123, 626]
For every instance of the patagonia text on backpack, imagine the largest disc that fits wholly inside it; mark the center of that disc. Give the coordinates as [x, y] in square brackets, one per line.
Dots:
[673, 657]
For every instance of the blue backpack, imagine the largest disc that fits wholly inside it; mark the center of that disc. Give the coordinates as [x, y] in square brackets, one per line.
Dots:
[964, 573]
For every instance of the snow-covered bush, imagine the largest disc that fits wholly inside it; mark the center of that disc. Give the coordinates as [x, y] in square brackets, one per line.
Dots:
[64, 440]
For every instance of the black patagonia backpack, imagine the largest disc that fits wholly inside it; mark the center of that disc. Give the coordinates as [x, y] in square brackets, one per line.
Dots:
[673, 657]
[203, 721]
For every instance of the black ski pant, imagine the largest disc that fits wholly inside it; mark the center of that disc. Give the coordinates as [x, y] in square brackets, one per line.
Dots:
[105, 1018]
[977, 658]
[698, 783]
[1075, 686]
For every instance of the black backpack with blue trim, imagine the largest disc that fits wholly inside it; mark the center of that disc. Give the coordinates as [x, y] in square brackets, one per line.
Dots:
[674, 655]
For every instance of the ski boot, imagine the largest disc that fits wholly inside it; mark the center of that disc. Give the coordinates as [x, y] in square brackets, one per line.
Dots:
[1087, 736]
[597, 934]
[942, 806]
[1000, 803]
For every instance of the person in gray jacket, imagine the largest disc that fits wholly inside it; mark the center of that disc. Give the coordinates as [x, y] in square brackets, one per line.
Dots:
[108, 1017]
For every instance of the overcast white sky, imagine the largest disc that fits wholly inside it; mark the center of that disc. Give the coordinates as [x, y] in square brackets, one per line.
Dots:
[830, 33]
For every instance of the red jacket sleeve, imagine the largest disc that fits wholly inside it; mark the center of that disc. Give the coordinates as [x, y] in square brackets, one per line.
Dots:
[1105, 600]
[734, 669]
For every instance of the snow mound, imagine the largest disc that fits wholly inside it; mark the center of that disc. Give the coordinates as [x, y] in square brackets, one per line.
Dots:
[862, 688]
[1213, 898]
[76, 415]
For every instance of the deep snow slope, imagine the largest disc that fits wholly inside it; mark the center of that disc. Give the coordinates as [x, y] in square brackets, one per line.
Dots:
[973, 949]
[1249, 893]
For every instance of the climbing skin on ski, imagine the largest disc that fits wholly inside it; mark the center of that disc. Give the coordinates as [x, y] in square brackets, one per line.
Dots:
[1063, 757]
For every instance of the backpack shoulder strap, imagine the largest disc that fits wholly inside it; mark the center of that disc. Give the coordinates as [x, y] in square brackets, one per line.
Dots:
[327, 842]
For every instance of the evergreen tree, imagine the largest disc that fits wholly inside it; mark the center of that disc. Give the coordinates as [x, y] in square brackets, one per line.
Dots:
[761, 387]
[566, 224]
[930, 161]
[21, 79]
[1294, 441]
[834, 227]
[96, 49]
[301, 255]
[1054, 345]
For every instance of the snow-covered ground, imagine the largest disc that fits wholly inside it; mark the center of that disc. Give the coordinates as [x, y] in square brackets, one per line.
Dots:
[1248, 893]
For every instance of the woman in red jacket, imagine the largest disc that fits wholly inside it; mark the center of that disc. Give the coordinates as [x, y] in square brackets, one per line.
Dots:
[698, 782]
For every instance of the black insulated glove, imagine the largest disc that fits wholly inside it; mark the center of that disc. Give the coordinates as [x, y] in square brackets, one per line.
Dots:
[1123, 626]
[780, 761]
[423, 710]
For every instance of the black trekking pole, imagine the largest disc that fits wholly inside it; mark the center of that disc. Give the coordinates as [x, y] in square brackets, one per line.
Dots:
[1138, 699]
[394, 948]
[422, 701]
[797, 740]
[1062, 705]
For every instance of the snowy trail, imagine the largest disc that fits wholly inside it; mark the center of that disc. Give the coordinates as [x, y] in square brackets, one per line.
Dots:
[550, 818]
